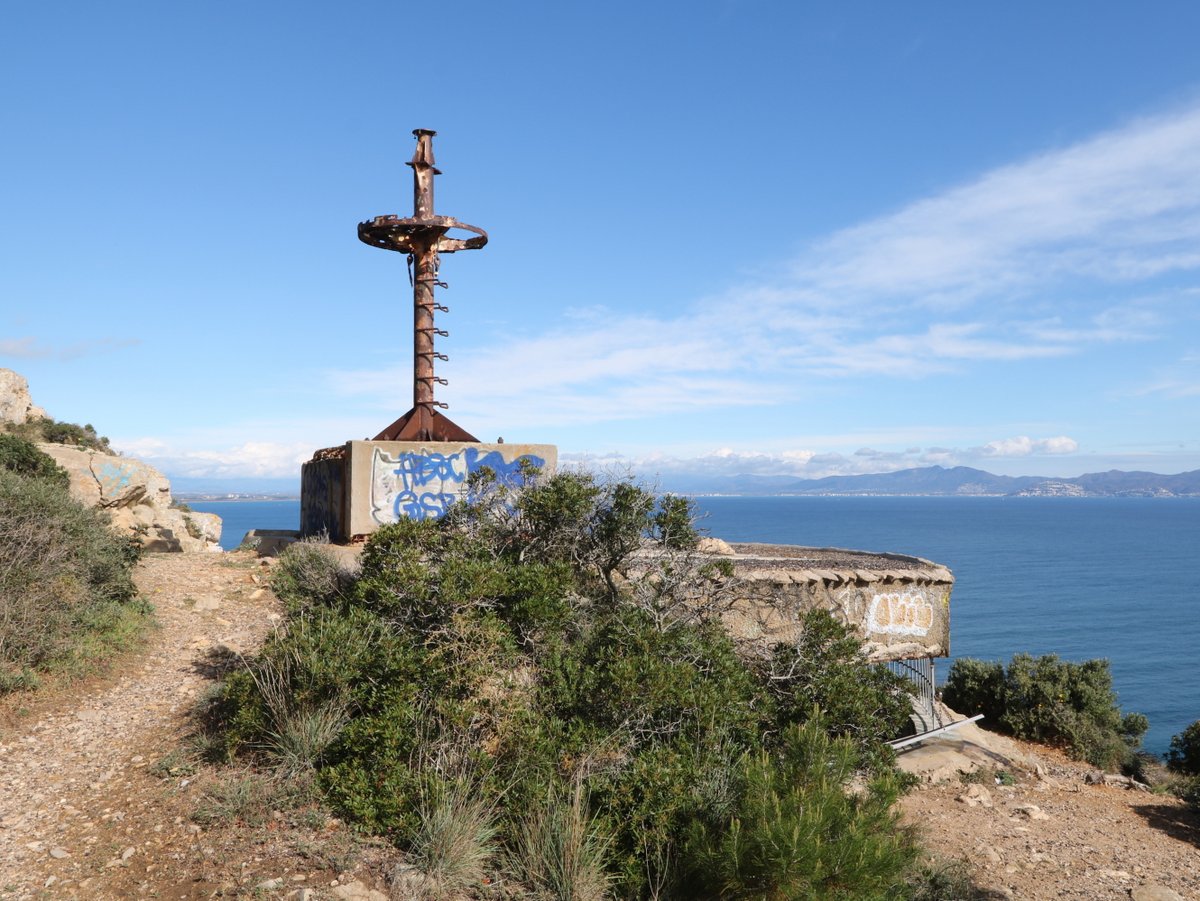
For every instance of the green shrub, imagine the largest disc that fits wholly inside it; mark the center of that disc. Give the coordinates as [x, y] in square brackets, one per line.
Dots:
[307, 575]
[799, 832]
[674, 523]
[65, 579]
[323, 661]
[502, 669]
[977, 686]
[1188, 789]
[54, 432]
[1184, 756]
[22, 457]
[827, 669]
[672, 707]
[69, 433]
[1048, 700]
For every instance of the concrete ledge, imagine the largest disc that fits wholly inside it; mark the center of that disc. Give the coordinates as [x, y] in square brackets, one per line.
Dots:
[900, 605]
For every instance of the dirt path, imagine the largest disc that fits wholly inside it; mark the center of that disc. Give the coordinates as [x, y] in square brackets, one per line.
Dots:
[80, 815]
[88, 809]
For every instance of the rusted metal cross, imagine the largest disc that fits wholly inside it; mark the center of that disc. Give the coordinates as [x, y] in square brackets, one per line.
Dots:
[423, 236]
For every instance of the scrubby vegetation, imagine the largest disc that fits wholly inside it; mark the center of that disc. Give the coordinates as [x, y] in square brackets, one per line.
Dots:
[1053, 701]
[52, 431]
[21, 457]
[1184, 756]
[1184, 761]
[65, 576]
[501, 691]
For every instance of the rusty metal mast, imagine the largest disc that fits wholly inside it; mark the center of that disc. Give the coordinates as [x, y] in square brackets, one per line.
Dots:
[423, 237]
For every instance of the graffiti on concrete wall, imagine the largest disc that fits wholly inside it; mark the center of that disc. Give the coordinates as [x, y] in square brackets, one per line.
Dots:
[423, 484]
[905, 612]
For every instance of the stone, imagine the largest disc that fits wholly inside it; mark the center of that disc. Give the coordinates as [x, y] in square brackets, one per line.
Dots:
[59, 853]
[16, 406]
[1151, 892]
[137, 496]
[357, 891]
[1031, 811]
[715, 546]
[268, 885]
[976, 796]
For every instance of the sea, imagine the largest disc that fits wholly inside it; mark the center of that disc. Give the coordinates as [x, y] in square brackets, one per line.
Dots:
[1077, 577]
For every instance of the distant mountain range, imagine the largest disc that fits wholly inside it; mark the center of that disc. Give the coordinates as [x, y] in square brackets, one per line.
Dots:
[955, 481]
[937, 481]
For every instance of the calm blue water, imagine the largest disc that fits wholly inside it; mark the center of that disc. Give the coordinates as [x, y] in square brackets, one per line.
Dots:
[1079, 577]
[239, 517]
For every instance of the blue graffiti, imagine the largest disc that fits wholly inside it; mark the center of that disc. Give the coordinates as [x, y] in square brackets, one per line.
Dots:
[431, 505]
[425, 468]
[508, 473]
[114, 478]
[423, 485]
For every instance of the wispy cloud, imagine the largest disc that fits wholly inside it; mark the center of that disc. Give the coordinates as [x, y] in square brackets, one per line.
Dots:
[1071, 249]
[258, 459]
[1179, 380]
[29, 348]
[811, 464]
[1124, 205]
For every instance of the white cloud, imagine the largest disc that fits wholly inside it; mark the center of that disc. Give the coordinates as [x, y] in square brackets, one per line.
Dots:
[1040, 259]
[1121, 206]
[1024, 446]
[812, 464]
[251, 459]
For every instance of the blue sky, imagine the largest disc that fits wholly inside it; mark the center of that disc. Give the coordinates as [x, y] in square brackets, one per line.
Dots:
[725, 236]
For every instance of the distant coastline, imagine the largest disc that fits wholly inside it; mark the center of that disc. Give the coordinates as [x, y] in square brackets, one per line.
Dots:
[928, 481]
[215, 498]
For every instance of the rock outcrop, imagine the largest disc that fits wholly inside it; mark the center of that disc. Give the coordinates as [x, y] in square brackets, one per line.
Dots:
[16, 406]
[139, 498]
[136, 494]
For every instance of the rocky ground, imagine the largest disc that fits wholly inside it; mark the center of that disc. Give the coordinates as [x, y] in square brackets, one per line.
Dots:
[101, 798]
[1034, 824]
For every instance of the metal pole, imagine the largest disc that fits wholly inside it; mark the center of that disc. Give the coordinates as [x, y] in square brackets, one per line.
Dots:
[423, 237]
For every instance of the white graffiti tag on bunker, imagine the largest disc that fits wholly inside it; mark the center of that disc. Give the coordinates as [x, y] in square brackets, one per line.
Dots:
[900, 613]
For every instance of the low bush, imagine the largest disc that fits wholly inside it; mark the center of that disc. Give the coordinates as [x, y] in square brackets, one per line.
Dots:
[308, 575]
[560, 850]
[1184, 756]
[1188, 789]
[22, 457]
[797, 832]
[55, 432]
[502, 678]
[827, 670]
[1049, 700]
[65, 579]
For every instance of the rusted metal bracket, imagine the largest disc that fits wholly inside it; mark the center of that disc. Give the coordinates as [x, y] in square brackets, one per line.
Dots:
[423, 236]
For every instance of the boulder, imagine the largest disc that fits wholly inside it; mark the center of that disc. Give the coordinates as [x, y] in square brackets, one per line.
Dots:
[16, 406]
[139, 498]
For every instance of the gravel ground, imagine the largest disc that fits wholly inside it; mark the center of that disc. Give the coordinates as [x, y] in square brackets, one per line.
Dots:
[79, 810]
[1052, 835]
[88, 809]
